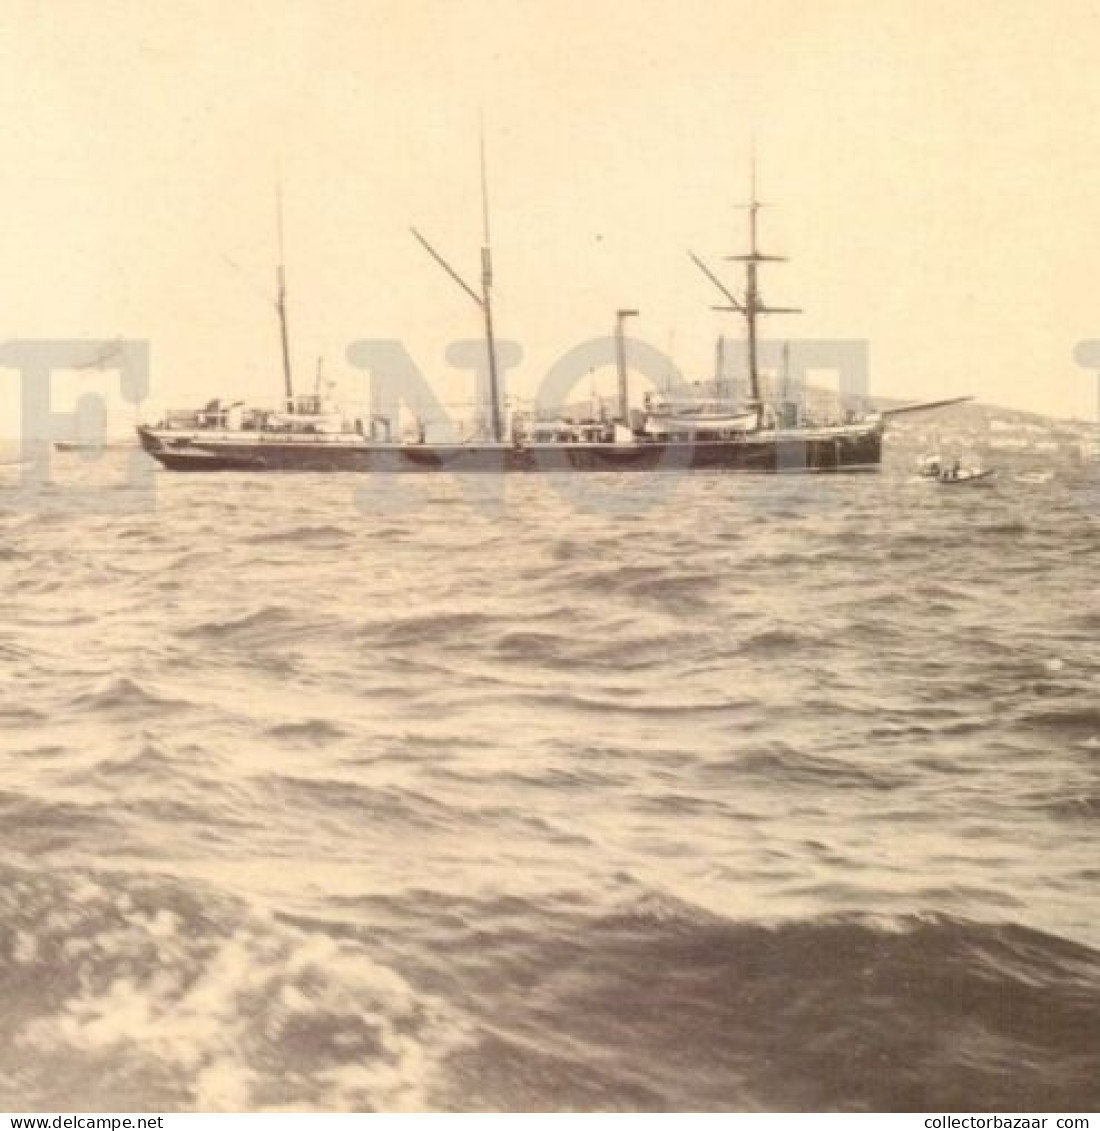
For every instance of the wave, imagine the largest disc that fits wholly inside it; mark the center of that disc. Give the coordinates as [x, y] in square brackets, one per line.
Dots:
[308, 731]
[665, 1007]
[42, 826]
[783, 765]
[302, 535]
[544, 649]
[442, 629]
[270, 625]
[785, 641]
[680, 594]
[1081, 807]
[361, 805]
[667, 704]
[265, 620]
[127, 695]
[141, 993]
[1070, 721]
[18, 714]
[621, 649]
[1087, 620]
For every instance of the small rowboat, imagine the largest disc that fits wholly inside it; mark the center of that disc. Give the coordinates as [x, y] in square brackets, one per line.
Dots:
[964, 475]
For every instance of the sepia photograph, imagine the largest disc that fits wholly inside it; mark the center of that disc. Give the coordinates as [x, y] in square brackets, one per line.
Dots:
[549, 558]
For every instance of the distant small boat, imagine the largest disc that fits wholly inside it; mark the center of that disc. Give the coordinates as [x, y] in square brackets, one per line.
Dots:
[964, 475]
[92, 445]
[938, 470]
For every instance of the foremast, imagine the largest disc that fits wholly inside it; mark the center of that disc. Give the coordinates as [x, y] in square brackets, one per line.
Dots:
[487, 303]
[280, 303]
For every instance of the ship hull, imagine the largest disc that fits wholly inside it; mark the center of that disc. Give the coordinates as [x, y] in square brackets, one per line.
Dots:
[827, 450]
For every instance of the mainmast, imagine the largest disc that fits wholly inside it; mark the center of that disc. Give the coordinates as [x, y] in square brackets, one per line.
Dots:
[483, 300]
[280, 301]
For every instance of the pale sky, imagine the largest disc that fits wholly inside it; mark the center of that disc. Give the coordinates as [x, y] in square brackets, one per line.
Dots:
[935, 169]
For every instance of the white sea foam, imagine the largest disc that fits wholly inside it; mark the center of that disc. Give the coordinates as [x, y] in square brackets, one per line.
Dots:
[237, 1017]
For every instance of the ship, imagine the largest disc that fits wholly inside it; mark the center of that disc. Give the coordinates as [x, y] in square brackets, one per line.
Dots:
[311, 433]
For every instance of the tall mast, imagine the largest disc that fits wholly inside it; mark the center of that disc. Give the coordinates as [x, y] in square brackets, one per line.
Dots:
[280, 300]
[483, 300]
[486, 300]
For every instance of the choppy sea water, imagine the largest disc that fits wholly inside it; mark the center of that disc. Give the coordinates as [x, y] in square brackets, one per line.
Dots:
[733, 793]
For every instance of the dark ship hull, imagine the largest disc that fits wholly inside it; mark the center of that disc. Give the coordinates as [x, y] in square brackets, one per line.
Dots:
[841, 449]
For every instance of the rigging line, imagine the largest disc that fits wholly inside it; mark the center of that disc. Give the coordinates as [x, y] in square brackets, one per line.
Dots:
[256, 288]
[447, 267]
[733, 300]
